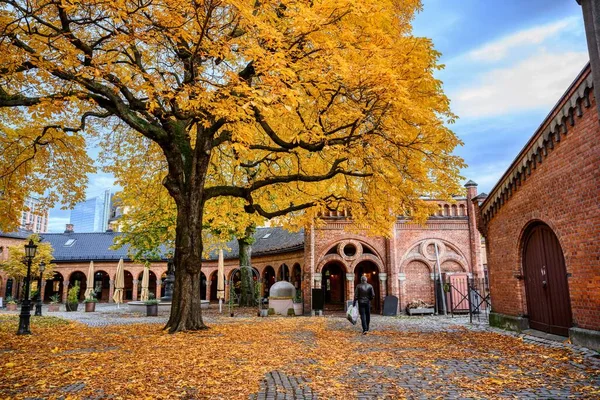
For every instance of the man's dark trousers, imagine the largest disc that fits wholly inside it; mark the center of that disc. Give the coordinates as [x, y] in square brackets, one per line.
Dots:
[365, 315]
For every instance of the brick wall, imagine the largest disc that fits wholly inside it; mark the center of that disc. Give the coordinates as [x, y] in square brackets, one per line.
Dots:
[406, 261]
[562, 191]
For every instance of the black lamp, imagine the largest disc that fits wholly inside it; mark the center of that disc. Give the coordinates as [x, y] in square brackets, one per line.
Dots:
[30, 250]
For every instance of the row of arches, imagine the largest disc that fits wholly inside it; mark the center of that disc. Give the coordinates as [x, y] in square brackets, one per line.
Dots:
[267, 278]
[102, 279]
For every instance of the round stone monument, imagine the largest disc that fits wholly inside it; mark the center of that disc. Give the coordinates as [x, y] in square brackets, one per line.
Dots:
[281, 297]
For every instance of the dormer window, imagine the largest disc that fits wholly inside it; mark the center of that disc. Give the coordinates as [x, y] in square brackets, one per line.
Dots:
[266, 236]
[70, 242]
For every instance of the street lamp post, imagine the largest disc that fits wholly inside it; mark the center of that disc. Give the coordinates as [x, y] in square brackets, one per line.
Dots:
[38, 305]
[25, 315]
[169, 282]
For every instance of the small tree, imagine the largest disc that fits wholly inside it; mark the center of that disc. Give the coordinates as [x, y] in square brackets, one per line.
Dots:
[16, 265]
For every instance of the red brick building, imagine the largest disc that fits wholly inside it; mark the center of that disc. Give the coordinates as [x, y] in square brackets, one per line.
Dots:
[328, 258]
[541, 221]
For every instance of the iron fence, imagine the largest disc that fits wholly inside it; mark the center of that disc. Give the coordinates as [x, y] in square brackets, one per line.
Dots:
[460, 295]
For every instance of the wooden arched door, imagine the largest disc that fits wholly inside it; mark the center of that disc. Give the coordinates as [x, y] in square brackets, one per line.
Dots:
[548, 301]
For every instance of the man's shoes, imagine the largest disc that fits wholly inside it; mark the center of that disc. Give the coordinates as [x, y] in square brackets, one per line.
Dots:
[364, 332]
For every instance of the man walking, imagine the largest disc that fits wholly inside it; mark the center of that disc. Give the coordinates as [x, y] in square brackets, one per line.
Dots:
[364, 293]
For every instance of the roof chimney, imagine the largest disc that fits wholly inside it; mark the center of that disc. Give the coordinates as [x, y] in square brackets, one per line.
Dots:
[69, 228]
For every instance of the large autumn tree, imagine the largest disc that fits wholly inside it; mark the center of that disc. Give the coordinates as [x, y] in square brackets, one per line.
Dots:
[285, 108]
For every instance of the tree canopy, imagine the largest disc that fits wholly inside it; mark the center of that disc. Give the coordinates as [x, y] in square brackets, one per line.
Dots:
[265, 107]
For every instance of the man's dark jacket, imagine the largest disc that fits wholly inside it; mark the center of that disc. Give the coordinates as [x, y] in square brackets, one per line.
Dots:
[364, 293]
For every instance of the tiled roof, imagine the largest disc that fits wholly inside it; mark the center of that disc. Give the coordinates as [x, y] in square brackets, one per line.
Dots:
[268, 241]
[96, 246]
[20, 234]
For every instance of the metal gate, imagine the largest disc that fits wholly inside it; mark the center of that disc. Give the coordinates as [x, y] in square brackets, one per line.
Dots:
[548, 303]
[464, 295]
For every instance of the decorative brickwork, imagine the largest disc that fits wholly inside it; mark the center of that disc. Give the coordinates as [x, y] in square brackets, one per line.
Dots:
[404, 263]
[554, 180]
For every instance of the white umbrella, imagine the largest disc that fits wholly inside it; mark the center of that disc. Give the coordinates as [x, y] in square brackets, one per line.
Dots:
[119, 284]
[89, 291]
[221, 279]
[145, 283]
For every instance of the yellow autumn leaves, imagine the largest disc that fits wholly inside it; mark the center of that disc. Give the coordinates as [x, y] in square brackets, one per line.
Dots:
[303, 106]
[232, 358]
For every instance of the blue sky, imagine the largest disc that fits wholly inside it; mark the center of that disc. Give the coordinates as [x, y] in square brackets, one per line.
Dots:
[507, 64]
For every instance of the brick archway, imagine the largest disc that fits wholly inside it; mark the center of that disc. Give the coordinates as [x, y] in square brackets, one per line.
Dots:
[78, 276]
[334, 285]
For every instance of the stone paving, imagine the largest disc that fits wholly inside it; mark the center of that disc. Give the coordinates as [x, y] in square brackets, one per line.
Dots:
[442, 379]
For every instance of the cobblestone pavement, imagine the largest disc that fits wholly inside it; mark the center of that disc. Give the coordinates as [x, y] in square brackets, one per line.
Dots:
[446, 378]
[459, 375]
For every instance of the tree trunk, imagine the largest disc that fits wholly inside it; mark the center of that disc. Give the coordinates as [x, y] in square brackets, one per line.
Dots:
[186, 311]
[185, 183]
[247, 297]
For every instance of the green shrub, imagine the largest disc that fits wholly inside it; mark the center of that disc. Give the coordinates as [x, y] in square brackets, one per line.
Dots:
[291, 312]
[73, 294]
[151, 300]
[298, 297]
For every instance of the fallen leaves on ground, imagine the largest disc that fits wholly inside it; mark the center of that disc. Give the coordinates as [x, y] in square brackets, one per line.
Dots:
[230, 359]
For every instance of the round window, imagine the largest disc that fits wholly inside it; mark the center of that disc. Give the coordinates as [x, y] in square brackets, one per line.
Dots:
[349, 250]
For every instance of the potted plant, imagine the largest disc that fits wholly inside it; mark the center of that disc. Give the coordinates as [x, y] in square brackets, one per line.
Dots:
[54, 305]
[151, 305]
[298, 306]
[11, 304]
[73, 298]
[90, 303]
[419, 307]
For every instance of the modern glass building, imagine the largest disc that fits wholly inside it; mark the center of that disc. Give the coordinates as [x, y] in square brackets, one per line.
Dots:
[92, 215]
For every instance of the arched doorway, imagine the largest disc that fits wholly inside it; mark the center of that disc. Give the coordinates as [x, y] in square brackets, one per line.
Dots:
[284, 273]
[151, 284]
[268, 279]
[296, 278]
[9, 288]
[546, 286]
[163, 277]
[128, 290]
[101, 285]
[370, 270]
[78, 277]
[213, 286]
[333, 284]
[54, 286]
[202, 286]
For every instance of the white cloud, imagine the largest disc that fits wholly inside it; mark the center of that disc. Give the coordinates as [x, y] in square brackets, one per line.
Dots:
[535, 83]
[100, 182]
[487, 175]
[499, 49]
